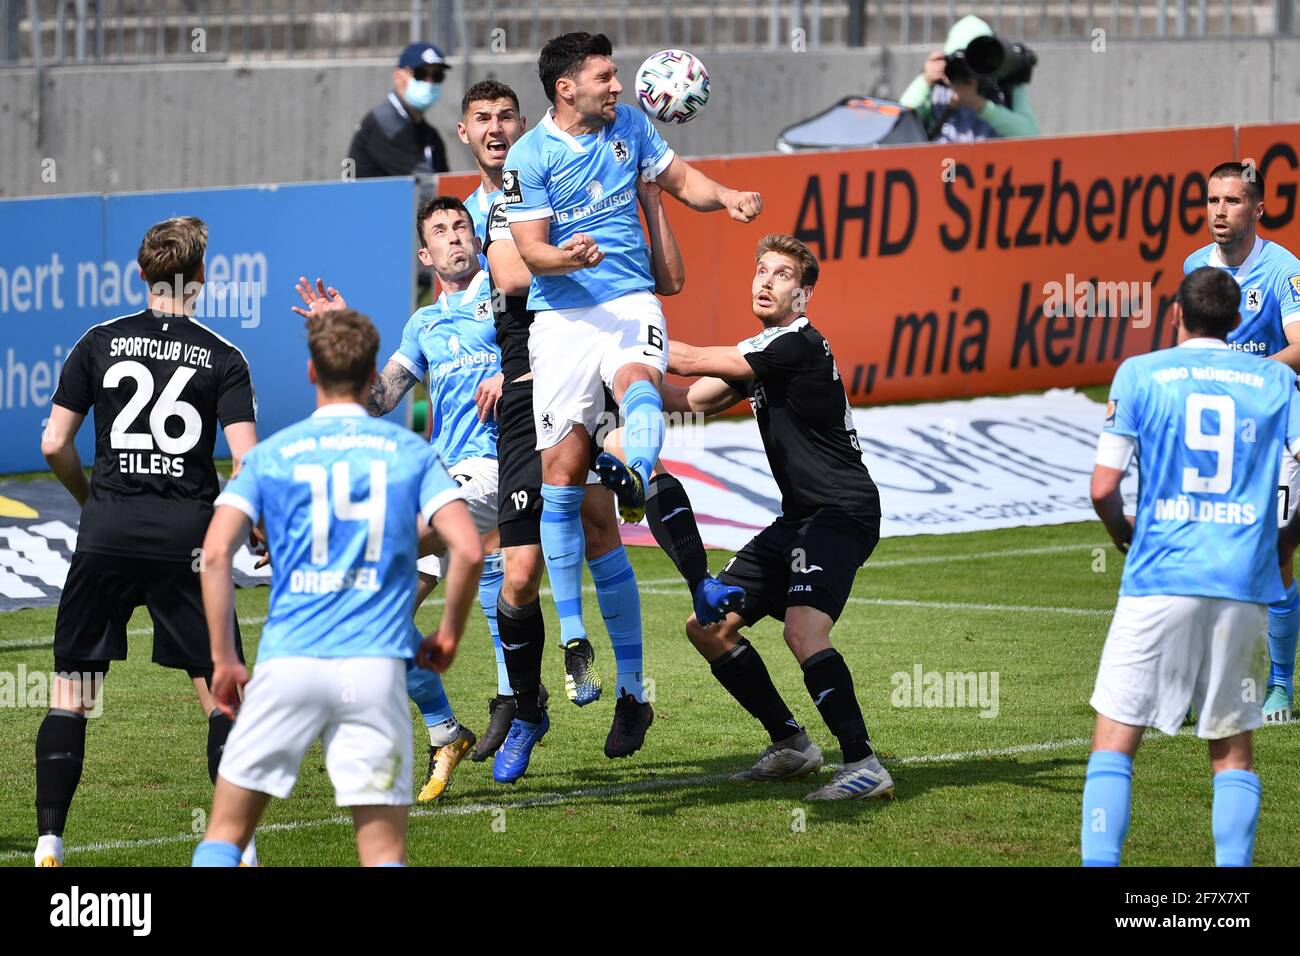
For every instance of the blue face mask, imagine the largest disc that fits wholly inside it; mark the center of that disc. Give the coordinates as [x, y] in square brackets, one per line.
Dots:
[421, 94]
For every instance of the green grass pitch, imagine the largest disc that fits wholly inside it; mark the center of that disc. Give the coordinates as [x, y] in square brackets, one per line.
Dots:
[1030, 604]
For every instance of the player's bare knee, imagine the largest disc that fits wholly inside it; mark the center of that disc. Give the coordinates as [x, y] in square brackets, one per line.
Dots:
[520, 588]
[76, 695]
[807, 631]
[713, 642]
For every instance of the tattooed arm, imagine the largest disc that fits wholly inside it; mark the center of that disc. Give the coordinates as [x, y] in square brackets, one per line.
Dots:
[387, 390]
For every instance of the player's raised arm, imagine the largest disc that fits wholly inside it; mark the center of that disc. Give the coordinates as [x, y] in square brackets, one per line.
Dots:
[387, 390]
[719, 361]
[57, 445]
[665, 256]
[687, 184]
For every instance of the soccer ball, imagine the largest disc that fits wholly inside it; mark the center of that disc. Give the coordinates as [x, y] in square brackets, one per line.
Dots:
[672, 86]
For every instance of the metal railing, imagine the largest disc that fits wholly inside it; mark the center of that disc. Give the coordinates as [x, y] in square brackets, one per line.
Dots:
[142, 31]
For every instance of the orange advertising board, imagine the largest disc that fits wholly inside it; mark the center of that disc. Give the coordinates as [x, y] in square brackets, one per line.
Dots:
[959, 270]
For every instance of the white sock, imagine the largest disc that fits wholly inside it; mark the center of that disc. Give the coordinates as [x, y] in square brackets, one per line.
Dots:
[444, 733]
[249, 856]
[49, 845]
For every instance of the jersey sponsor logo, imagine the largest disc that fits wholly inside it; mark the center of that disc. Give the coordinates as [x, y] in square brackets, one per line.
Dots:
[510, 189]
[621, 198]
[1254, 299]
[453, 344]
[141, 346]
[462, 362]
[621, 153]
[595, 190]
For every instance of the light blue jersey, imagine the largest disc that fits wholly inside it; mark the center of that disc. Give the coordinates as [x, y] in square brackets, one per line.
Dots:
[340, 493]
[479, 205]
[1270, 294]
[454, 341]
[1210, 423]
[587, 184]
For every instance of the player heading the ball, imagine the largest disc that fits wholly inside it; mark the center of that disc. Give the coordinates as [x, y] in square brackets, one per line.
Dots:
[569, 186]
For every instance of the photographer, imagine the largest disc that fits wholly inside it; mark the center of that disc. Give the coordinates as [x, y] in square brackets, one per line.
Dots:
[960, 103]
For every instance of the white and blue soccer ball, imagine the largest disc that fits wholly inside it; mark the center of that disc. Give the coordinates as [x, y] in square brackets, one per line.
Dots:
[672, 86]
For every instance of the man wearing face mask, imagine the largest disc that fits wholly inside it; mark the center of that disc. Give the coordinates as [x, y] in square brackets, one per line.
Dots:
[393, 139]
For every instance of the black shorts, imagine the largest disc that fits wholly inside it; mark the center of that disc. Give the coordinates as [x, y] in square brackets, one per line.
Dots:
[98, 598]
[519, 468]
[519, 465]
[809, 563]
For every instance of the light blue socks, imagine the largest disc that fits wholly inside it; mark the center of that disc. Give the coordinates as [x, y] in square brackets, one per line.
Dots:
[563, 547]
[1283, 627]
[620, 606]
[642, 411]
[1236, 812]
[1106, 795]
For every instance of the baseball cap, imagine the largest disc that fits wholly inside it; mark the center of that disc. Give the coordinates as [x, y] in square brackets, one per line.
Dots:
[417, 55]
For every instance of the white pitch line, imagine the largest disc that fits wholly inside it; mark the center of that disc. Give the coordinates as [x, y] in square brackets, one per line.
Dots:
[676, 584]
[981, 556]
[665, 586]
[963, 606]
[468, 809]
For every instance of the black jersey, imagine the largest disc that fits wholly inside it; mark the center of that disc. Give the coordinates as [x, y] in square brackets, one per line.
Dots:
[514, 318]
[803, 415]
[158, 384]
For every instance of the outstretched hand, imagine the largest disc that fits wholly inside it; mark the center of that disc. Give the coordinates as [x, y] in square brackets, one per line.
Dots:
[318, 300]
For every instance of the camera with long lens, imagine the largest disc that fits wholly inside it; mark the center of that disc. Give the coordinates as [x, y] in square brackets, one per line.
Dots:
[991, 63]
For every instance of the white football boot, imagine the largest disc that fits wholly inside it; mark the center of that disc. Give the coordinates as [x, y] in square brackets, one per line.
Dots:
[857, 781]
[796, 756]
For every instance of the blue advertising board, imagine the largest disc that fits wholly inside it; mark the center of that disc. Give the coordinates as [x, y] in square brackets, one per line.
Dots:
[67, 263]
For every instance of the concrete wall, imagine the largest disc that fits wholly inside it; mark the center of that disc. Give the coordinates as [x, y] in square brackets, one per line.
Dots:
[159, 127]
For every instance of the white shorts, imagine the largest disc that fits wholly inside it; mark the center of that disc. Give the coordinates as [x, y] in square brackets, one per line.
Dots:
[1164, 654]
[356, 707]
[575, 354]
[477, 478]
[1288, 488]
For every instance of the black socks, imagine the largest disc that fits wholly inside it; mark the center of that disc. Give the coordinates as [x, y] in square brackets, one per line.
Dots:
[523, 639]
[830, 685]
[672, 522]
[742, 672]
[60, 751]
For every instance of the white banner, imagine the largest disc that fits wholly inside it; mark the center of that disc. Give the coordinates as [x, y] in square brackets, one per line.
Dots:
[941, 468]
